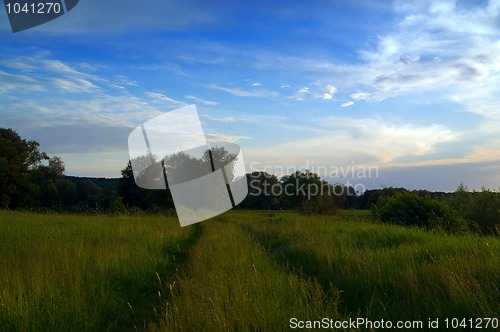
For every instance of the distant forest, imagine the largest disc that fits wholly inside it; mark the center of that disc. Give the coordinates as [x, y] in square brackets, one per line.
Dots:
[31, 180]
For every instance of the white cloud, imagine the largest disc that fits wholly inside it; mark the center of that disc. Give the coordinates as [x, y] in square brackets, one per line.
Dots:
[451, 48]
[361, 95]
[330, 89]
[225, 119]
[245, 93]
[347, 104]
[216, 138]
[124, 80]
[202, 101]
[161, 98]
[41, 74]
[256, 84]
[315, 91]
[19, 83]
[55, 95]
[362, 140]
[76, 85]
[430, 49]
[300, 94]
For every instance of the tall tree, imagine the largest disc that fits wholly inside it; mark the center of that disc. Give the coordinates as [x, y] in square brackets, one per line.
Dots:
[18, 159]
[263, 191]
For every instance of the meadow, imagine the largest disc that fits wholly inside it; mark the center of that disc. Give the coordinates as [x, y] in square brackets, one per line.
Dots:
[243, 270]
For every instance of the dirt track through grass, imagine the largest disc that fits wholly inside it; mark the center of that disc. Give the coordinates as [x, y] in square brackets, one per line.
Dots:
[231, 283]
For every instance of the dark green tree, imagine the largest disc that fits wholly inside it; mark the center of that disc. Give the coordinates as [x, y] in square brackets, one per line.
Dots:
[88, 192]
[307, 192]
[56, 167]
[19, 159]
[67, 191]
[262, 189]
[49, 195]
[138, 189]
[135, 196]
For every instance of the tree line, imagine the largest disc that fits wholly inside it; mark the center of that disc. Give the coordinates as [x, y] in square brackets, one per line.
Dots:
[32, 180]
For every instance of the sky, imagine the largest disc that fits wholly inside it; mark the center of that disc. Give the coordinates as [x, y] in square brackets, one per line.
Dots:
[410, 89]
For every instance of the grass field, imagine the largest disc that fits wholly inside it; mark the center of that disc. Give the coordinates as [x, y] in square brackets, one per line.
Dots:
[243, 270]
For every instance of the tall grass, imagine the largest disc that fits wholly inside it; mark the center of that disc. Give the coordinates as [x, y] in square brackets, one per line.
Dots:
[84, 273]
[232, 284]
[390, 272]
[243, 270]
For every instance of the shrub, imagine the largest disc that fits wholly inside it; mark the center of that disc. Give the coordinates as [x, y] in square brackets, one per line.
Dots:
[409, 209]
[319, 205]
[117, 206]
[483, 211]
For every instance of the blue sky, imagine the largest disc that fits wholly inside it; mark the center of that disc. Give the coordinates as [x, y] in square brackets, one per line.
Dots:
[409, 87]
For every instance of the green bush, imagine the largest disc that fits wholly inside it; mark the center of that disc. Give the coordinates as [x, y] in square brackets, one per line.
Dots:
[319, 205]
[483, 211]
[409, 209]
[117, 206]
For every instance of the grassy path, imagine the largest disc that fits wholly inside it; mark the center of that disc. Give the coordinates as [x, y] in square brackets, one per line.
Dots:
[231, 283]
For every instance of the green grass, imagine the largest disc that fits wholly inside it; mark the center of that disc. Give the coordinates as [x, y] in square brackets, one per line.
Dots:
[390, 272]
[243, 270]
[84, 273]
[231, 283]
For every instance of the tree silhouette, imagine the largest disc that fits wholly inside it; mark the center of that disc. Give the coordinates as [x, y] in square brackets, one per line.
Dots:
[18, 161]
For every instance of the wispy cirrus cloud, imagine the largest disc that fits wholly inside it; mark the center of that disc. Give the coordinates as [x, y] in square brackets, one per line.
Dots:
[452, 48]
[238, 92]
[202, 101]
[214, 138]
[19, 82]
[42, 74]
[162, 66]
[42, 93]
[161, 98]
[225, 119]
[75, 85]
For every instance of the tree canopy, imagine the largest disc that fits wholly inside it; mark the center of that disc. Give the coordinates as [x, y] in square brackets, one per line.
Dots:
[20, 160]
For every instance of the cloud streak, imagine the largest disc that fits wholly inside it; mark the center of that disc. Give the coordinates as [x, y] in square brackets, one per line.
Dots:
[246, 93]
[202, 101]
